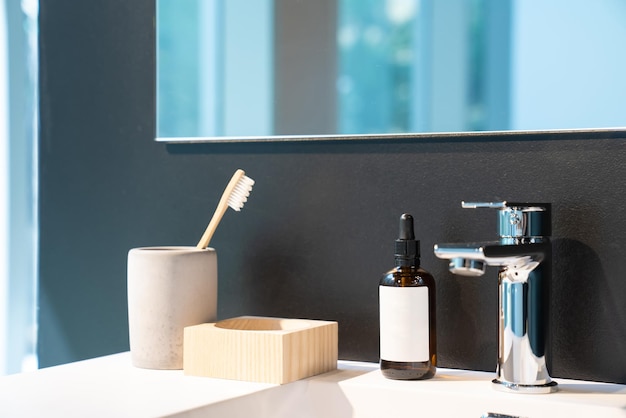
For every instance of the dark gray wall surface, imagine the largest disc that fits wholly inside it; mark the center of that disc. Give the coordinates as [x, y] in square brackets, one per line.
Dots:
[318, 229]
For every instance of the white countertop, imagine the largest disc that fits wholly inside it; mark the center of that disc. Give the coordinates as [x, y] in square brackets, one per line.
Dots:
[111, 387]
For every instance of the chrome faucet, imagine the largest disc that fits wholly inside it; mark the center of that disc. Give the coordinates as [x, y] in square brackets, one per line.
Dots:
[523, 254]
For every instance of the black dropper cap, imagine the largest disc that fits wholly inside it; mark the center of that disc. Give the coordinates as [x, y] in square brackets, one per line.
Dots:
[407, 247]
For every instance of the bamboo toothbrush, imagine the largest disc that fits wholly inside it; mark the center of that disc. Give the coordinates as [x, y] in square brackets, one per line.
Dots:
[235, 195]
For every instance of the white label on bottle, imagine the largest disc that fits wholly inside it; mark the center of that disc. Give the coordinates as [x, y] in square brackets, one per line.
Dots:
[404, 332]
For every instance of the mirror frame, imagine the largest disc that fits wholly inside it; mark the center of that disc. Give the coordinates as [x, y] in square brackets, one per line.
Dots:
[592, 133]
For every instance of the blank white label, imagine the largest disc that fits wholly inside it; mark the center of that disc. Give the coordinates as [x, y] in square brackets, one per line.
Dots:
[404, 332]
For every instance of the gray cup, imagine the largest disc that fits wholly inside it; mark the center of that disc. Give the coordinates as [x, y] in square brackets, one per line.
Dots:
[169, 288]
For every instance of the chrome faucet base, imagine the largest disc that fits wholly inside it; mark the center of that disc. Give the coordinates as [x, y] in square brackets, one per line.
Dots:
[519, 388]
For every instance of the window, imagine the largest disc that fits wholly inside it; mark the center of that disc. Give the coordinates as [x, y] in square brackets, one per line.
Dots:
[18, 228]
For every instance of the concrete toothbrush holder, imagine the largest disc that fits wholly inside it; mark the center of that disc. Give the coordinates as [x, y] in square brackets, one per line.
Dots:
[169, 288]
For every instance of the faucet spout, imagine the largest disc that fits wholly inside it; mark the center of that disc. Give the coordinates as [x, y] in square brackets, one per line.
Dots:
[524, 274]
[471, 259]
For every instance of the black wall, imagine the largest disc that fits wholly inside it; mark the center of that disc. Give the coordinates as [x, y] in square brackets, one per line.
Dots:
[318, 229]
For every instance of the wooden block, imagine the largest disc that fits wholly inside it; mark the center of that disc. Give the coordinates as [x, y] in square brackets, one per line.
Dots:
[260, 349]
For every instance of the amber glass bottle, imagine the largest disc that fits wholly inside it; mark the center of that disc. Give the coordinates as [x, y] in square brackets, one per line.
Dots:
[408, 340]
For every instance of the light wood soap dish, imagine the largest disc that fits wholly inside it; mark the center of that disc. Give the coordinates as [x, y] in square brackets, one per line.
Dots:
[261, 349]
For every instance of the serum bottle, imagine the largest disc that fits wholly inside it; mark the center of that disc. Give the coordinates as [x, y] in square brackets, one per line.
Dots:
[408, 340]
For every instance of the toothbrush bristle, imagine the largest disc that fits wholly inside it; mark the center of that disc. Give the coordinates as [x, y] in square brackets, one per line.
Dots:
[240, 193]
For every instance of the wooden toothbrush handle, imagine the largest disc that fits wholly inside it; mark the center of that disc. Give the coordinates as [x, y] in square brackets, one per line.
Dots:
[222, 206]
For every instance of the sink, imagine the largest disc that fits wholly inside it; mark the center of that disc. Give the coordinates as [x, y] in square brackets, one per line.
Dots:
[358, 390]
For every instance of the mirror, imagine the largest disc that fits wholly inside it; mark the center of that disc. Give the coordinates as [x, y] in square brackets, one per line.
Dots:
[239, 69]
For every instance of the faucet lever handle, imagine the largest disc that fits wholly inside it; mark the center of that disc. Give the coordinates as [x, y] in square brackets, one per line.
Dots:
[491, 205]
[518, 220]
[525, 206]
